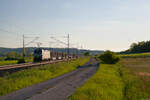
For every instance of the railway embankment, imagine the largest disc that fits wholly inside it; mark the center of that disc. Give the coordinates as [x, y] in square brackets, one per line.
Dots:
[28, 77]
[8, 69]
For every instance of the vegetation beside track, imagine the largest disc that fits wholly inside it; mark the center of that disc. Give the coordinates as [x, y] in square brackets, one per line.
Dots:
[31, 76]
[10, 62]
[112, 82]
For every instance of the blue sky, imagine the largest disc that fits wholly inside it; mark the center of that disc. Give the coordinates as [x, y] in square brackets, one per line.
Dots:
[94, 24]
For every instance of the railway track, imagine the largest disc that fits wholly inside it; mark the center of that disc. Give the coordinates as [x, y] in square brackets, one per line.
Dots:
[17, 67]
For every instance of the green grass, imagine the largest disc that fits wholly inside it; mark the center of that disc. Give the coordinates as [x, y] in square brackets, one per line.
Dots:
[28, 59]
[136, 66]
[111, 82]
[2, 58]
[143, 55]
[8, 62]
[106, 84]
[31, 76]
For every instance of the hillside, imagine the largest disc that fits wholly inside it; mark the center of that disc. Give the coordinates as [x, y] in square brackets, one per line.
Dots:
[5, 51]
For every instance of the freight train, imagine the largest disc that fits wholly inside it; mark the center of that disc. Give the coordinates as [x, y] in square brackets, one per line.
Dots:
[43, 55]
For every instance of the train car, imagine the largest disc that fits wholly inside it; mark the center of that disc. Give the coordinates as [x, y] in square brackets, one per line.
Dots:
[41, 55]
[70, 56]
[64, 55]
[74, 56]
[59, 56]
[53, 56]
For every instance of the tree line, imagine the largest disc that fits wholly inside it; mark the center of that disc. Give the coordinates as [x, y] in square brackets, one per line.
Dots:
[15, 56]
[140, 47]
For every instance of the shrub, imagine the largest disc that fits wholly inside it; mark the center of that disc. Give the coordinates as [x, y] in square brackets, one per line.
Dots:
[1, 58]
[109, 57]
[86, 54]
[13, 56]
[21, 61]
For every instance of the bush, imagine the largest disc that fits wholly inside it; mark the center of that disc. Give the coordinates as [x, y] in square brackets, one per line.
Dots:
[109, 57]
[21, 61]
[86, 54]
[1, 58]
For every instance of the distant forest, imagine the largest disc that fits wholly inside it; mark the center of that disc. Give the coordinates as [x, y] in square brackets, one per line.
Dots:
[139, 47]
[29, 51]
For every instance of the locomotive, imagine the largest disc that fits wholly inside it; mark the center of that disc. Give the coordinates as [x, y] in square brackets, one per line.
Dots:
[43, 55]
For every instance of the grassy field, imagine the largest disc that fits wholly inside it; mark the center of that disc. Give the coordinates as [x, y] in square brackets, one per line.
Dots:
[106, 84]
[140, 68]
[136, 55]
[31, 76]
[9, 62]
[111, 82]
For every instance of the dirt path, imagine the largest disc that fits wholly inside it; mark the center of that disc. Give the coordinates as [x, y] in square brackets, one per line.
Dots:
[59, 88]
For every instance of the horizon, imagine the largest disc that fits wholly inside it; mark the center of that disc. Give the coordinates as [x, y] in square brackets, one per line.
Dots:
[50, 48]
[95, 25]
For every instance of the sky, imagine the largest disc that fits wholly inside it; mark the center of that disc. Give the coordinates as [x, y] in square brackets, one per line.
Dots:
[91, 24]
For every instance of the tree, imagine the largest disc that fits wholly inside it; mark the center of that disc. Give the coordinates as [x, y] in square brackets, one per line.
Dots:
[133, 45]
[140, 47]
[21, 60]
[109, 57]
[86, 53]
[11, 56]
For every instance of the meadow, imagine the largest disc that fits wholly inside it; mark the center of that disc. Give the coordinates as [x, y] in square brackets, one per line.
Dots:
[115, 82]
[135, 55]
[9, 62]
[139, 68]
[24, 78]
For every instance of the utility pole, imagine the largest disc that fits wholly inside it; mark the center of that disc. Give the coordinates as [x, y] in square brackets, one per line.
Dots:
[38, 44]
[23, 47]
[50, 46]
[77, 53]
[68, 45]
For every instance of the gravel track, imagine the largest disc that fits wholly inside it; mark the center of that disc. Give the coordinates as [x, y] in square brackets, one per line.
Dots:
[59, 88]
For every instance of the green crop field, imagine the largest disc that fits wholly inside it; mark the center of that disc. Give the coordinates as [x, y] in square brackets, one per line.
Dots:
[143, 55]
[24, 78]
[112, 82]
